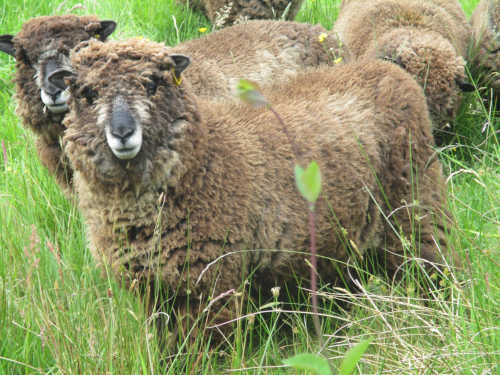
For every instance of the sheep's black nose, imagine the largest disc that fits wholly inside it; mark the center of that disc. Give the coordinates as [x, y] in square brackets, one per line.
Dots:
[50, 89]
[54, 94]
[122, 123]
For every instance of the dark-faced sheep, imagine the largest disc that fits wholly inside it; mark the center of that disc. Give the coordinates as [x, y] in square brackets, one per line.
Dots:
[227, 12]
[486, 50]
[169, 183]
[263, 51]
[429, 39]
[41, 47]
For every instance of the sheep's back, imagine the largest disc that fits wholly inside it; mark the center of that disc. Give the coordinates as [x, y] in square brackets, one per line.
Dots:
[360, 23]
[261, 51]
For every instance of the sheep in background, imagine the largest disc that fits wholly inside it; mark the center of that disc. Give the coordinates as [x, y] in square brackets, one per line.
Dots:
[485, 23]
[41, 47]
[227, 12]
[429, 39]
[263, 51]
[169, 183]
[450, 22]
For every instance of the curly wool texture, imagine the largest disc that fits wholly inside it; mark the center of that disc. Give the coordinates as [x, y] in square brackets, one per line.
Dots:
[227, 12]
[213, 181]
[261, 51]
[429, 39]
[485, 23]
[37, 36]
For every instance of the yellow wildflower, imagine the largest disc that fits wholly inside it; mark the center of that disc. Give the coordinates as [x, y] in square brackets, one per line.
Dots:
[202, 29]
[322, 37]
[338, 60]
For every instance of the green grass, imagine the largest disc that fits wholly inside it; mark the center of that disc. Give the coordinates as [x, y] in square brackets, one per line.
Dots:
[59, 314]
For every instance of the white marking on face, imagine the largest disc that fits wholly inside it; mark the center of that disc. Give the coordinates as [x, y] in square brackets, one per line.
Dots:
[57, 105]
[127, 150]
[123, 149]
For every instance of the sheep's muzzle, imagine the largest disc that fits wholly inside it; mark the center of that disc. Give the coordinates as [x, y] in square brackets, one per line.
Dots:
[123, 132]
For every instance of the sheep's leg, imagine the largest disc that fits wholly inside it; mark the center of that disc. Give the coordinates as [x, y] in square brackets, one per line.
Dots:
[208, 296]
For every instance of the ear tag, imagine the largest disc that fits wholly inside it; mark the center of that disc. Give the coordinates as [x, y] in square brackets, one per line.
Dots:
[177, 81]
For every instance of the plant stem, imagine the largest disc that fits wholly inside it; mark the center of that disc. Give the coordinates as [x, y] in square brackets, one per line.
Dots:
[314, 263]
[295, 150]
[312, 232]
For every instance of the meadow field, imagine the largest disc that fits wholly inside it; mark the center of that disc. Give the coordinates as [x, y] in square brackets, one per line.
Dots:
[59, 314]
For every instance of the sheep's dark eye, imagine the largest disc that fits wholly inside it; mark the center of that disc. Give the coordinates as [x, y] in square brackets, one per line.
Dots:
[89, 94]
[151, 85]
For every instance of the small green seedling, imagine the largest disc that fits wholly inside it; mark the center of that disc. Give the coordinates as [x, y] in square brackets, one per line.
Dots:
[308, 182]
[312, 363]
[317, 365]
[249, 92]
[352, 357]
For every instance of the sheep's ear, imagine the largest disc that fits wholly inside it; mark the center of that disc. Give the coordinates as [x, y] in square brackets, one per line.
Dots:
[57, 78]
[181, 62]
[106, 29]
[7, 45]
[465, 86]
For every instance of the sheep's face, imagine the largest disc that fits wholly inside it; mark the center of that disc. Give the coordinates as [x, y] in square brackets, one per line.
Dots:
[126, 106]
[433, 62]
[490, 52]
[42, 47]
[54, 99]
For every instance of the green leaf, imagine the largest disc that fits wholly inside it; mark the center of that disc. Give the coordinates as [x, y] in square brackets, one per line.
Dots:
[352, 357]
[249, 93]
[309, 362]
[308, 181]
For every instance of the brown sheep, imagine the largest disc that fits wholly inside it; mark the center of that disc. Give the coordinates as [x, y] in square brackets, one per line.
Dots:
[485, 23]
[429, 39]
[227, 12]
[169, 183]
[42, 46]
[263, 51]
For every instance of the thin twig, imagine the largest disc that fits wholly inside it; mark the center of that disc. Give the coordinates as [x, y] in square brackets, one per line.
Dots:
[21, 364]
[314, 263]
[295, 149]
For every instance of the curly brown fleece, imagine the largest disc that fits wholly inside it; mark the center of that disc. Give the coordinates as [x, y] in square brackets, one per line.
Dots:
[60, 33]
[213, 181]
[485, 23]
[429, 39]
[262, 51]
[242, 10]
